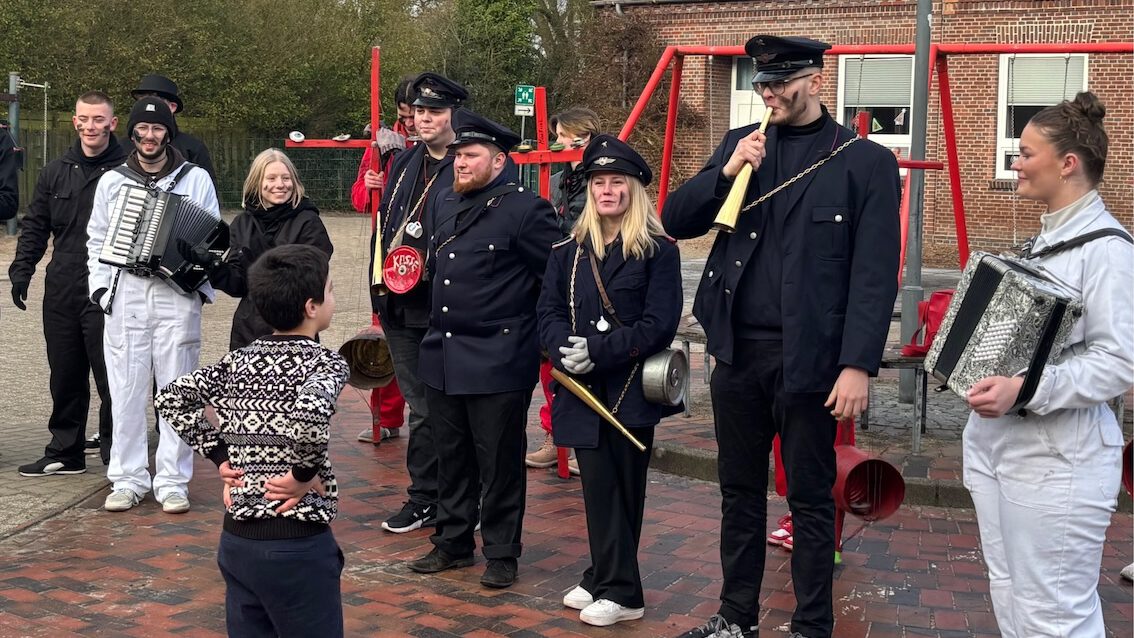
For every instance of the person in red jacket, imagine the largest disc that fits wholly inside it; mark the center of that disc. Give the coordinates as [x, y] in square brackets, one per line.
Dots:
[386, 404]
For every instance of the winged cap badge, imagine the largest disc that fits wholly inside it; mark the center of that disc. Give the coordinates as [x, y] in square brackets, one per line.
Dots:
[603, 161]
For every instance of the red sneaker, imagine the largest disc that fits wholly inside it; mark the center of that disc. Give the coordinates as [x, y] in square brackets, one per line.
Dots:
[789, 543]
[783, 533]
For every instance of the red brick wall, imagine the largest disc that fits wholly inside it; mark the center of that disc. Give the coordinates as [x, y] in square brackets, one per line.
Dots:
[995, 218]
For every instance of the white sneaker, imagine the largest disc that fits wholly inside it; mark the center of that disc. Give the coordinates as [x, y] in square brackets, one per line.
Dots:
[175, 504]
[603, 613]
[121, 500]
[367, 435]
[1128, 572]
[578, 598]
[390, 433]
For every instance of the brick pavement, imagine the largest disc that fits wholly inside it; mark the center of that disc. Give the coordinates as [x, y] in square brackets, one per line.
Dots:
[143, 573]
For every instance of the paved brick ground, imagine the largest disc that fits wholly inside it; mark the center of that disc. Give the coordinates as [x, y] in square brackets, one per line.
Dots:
[143, 573]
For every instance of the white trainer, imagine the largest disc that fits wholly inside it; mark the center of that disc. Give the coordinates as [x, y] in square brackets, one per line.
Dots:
[578, 598]
[121, 500]
[175, 504]
[603, 613]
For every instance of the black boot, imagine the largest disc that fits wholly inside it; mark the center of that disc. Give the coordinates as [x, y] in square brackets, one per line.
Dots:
[501, 572]
[438, 561]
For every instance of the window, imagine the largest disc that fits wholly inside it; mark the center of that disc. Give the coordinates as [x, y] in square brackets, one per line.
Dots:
[1028, 83]
[881, 85]
[745, 106]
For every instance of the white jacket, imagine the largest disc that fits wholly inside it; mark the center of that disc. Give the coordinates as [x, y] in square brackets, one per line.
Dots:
[1098, 365]
[194, 184]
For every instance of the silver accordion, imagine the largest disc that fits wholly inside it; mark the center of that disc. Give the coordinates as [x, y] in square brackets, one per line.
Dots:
[1005, 318]
[145, 226]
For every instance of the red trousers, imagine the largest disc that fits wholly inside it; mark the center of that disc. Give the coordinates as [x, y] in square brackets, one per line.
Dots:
[387, 406]
[545, 381]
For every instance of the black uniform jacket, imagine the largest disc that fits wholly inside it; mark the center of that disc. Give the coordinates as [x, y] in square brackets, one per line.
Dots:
[253, 233]
[568, 190]
[61, 207]
[407, 166]
[482, 335]
[9, 174]
[840, 254]
[646, 294]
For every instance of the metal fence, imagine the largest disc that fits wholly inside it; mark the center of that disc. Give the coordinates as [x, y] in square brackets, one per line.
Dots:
[327, 174]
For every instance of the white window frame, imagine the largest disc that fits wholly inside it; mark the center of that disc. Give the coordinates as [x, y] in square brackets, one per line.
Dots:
[745, 106]
[1011, 146]
[902, 142]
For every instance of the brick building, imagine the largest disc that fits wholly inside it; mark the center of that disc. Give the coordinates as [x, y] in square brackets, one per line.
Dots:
[993, 95]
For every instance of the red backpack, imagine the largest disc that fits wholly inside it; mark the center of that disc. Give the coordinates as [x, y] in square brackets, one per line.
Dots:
[929, 315]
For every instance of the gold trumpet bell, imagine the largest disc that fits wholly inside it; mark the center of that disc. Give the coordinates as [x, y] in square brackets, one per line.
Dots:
[368, 357]
[730, 210]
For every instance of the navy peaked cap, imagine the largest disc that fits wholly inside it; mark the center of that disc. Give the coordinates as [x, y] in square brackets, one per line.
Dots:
[607, 153]
[779, 57]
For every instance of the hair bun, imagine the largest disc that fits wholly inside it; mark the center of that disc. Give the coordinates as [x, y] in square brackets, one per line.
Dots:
[1089, 105]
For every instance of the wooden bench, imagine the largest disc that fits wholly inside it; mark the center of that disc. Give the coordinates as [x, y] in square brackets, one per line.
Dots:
[689, 331]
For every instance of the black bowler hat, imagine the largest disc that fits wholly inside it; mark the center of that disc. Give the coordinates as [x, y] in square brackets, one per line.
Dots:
[160, 86]
[608, 153]
[438, 91]
[477, 129]
[777, 58]
[152, 110]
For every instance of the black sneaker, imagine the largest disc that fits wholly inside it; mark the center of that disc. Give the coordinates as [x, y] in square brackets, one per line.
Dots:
[47, 467]
[500, 573]
[412, 516]
[718, 627]
[438, 561]
[93, 445]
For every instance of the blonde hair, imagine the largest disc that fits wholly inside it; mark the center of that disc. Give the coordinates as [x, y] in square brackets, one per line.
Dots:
[251, 192]
[640, 224]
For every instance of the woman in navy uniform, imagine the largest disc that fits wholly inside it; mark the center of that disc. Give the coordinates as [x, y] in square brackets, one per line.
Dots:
[620, 233]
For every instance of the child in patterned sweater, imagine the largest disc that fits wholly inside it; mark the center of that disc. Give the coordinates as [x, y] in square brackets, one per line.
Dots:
[274, 399]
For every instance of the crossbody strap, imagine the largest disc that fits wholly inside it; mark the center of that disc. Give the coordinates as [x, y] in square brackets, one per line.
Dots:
[1073, 242]
[607, 306]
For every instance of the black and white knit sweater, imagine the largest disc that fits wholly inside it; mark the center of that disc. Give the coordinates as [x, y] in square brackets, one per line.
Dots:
[274, 400]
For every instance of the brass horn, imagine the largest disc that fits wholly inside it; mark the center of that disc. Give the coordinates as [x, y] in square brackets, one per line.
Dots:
[581, 391]
[368, 357]
[730, 210]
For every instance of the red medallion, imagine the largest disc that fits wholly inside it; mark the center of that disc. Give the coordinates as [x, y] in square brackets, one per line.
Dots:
[402, 269]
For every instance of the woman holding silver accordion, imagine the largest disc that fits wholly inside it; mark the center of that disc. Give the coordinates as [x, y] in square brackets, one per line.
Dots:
[276, 213]
[611, 297]
[1044, 477]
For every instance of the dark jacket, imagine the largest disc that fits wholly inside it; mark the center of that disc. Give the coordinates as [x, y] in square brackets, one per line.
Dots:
[251, 234]
[840, 254]
[9, 173]
[646, 295]
[486, 273]
[412, 308]
[60, 208]
[568, 190]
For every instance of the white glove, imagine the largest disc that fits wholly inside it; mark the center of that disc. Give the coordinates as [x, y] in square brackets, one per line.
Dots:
[577, 358]
[387, 140]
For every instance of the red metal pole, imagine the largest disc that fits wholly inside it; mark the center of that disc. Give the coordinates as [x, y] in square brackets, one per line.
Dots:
[647, 93]
[862, 123]
[670, 129]
[541, 140]
[1060, 48]
[375, 124]
[951, 157]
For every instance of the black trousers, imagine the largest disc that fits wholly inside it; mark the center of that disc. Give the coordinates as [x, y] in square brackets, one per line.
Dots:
[282, 588]
[72, 328]
[421, 450]
[750, 406]
[614, 493]
[481, 444]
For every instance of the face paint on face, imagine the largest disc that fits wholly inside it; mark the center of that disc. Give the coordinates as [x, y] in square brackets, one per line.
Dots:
[150, 141]
[276, 187]
[611, 192]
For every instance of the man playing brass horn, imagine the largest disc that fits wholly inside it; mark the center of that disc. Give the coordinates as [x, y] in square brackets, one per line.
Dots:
[796, 306]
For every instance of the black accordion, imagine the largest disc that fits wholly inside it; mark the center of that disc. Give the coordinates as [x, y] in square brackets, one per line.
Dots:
[1005, 318]
[145, 226]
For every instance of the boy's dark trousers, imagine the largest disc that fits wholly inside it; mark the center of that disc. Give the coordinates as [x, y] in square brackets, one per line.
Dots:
[285, 588]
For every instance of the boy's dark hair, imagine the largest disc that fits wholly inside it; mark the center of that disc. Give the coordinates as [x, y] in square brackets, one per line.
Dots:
[283, 279]
[96, 97]
[404, 93]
